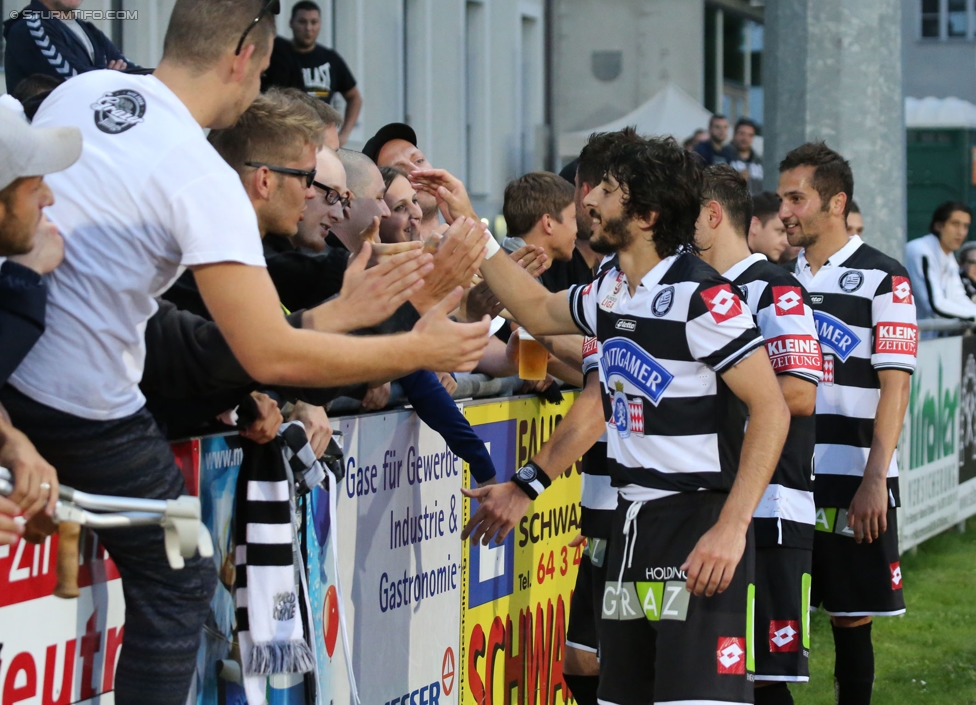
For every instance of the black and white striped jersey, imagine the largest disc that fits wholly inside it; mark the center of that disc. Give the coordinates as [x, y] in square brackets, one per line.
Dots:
[598, 499]
[673, 426]
[782, 310]
[865, 316]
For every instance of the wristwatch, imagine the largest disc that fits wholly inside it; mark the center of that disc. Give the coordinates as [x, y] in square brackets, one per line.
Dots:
[531, 479]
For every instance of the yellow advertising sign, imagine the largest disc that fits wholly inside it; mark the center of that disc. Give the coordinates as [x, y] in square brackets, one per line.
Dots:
[515, 595]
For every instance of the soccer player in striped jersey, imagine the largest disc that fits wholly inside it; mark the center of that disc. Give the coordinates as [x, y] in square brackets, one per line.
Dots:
[681, 365]
[581, 432]
[865, 316]
[785, 517]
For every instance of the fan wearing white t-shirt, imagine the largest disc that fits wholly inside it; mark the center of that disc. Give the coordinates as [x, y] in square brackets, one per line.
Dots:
[148, 197]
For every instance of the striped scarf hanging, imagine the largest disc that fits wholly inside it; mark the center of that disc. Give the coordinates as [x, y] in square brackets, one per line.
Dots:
[270, 587]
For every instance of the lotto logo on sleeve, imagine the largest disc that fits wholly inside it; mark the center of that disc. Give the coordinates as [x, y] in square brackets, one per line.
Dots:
[895, 576]
[784, 636]
[787, 301]
[900, 338]
[731, 656]
[901, 290]
[722, 303]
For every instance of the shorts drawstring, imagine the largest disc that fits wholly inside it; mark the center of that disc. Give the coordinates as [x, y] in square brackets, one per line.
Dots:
[630, 540]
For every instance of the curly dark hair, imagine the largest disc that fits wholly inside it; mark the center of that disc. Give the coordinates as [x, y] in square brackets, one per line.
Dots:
[657, 175]
[831, 172]
[593, 159]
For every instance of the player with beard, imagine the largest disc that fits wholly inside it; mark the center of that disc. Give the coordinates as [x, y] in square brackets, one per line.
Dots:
[682, 365]
[865, 315]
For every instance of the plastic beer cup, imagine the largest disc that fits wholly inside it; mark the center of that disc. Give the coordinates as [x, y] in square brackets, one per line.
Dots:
[533, 357]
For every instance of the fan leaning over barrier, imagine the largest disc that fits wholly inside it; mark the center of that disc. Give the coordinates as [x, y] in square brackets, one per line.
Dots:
[180, 518]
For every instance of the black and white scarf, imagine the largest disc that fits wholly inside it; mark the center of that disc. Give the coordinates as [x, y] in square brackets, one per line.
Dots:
[270, 587]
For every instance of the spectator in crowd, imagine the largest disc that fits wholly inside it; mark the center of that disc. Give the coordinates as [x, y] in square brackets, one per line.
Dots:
[697, 137]
[403, 223]
[784, 521]
[855, 223]
[46, 38]
[933, 268]
[424, 391]
[713, 150]
[967, 268]
[644, 212]
[76, 393]
[539, 210]
[33, 247]
[321, 212]
[396, 145]
[861, 405]
[303, 63]
[767, 235]
[742, 156]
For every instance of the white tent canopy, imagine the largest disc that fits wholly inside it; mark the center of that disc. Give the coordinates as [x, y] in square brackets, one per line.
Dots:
[939, 112]
[670, 111]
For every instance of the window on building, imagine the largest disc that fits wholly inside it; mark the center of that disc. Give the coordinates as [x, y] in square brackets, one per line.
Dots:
[947, 19]
[733, 64]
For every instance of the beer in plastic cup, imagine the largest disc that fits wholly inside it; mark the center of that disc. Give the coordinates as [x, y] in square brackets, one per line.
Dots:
[533, 357]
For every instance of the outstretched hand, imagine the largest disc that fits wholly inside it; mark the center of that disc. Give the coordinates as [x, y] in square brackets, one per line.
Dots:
[499, 509]
[452, 196]
[443, 344]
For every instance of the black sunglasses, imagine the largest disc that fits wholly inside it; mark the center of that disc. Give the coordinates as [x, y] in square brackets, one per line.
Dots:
[309, 176]
[271, 7]
[331, 195]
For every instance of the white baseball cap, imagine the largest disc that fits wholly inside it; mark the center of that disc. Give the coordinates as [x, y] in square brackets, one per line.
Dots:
[34, 151]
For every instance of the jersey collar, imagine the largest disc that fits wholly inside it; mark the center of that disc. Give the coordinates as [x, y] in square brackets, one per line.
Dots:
[742, 265]
[835, 260]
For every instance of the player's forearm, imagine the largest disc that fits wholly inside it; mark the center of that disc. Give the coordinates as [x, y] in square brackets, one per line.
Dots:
[526, 299]
[895, 387]
[567, 373]
[330, 317]
[576, 433]
[568, 348]
[303, 358]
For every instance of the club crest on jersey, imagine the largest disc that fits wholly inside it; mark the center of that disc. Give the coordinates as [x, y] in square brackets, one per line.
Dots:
[722, 302]
[835, 334]
[850, 281]
[625, 361]
[119, 111]
[787, 301]
[628, 414]
[662, 302]
[901, 290]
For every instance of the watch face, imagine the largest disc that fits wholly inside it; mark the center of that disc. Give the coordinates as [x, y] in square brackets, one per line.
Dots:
[527, 473]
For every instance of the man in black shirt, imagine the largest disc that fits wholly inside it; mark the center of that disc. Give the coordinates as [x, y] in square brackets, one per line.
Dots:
[303, 63]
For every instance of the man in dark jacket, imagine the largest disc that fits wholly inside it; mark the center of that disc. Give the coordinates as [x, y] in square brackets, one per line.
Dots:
[46, 38]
